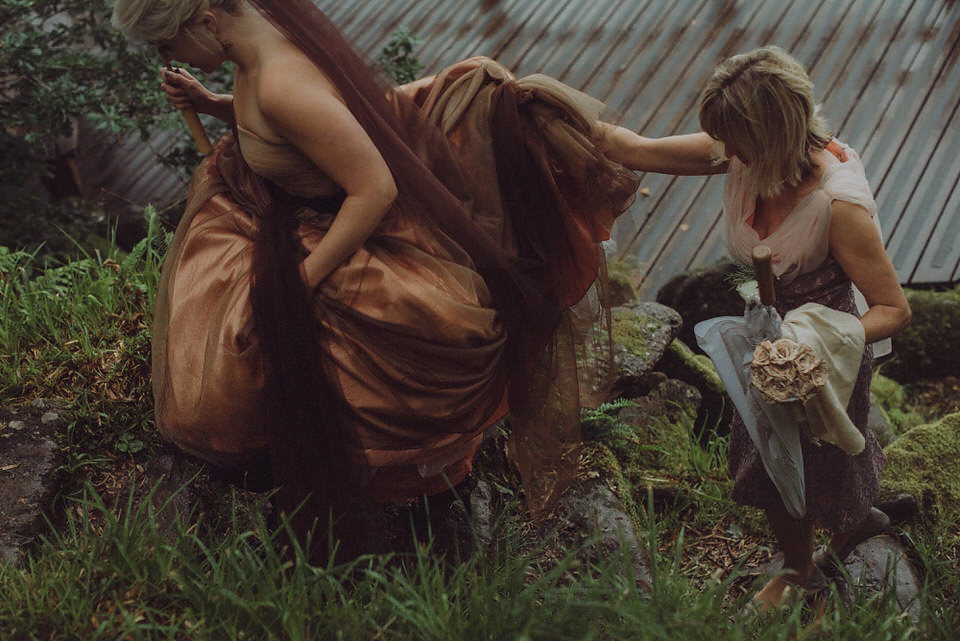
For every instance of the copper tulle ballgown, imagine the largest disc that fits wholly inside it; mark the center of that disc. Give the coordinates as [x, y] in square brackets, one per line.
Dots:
[410, 337]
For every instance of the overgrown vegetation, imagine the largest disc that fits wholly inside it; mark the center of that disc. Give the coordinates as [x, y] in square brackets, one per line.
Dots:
[397, 59]
[80, 332]
[62, 61]
[104, 576]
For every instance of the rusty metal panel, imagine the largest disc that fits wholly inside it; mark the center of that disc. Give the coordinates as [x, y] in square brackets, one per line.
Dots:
[124, 172]
[884, 69]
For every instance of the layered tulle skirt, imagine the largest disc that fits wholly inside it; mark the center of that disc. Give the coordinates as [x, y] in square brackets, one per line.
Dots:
[409, 331]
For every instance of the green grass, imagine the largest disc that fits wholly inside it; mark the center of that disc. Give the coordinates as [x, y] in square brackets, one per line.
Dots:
[108, 576]
[81, 332]
[107, 568]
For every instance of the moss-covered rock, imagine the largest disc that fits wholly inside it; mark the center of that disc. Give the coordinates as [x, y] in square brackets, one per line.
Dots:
[891, 397]
[925, 462]
[716, 408]
[641, 334]
[930, 346]
[597, 460]
[621, 275]
[648, 437]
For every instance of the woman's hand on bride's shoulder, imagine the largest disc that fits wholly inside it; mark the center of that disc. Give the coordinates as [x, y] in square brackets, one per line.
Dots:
[682, 155]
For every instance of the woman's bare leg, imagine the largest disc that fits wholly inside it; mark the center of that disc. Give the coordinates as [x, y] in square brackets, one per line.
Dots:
[796, 540]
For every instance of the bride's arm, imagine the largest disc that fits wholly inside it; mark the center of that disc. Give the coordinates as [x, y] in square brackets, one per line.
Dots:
[299, 104]
[684, 155]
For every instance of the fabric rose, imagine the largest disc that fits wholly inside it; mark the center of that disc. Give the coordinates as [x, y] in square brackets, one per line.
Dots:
[785, 371]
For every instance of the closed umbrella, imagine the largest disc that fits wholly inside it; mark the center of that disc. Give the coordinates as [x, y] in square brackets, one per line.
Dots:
[730, 341]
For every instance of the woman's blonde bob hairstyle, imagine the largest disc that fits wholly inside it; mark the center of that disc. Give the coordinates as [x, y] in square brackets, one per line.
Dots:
[159, 20]
[761, 104]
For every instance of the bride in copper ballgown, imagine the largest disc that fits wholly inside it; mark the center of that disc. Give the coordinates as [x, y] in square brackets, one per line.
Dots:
[367, 278]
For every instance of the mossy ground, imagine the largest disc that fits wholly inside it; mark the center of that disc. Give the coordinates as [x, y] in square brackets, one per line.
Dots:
[925, 462]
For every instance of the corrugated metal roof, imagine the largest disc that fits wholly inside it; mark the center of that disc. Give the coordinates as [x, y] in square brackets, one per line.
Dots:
[886, 71]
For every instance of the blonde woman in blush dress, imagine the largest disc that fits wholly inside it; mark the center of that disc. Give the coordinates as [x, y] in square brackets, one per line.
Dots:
[793, 187]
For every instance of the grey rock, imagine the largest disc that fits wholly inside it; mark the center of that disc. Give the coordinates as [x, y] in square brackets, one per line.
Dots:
[481, 514]
[644, 330]
[174, 498]
[877, 421]
[874, 566]
[879, 564]
[716, 408]
[29, 459]
[702, 294]
[601, 520]
[49, 417]
[670, 399]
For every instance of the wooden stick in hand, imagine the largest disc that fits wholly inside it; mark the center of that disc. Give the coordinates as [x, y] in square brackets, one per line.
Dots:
[196, 127]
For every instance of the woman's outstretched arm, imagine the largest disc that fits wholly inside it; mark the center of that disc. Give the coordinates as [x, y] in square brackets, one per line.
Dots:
[299, 103]
[682, 155]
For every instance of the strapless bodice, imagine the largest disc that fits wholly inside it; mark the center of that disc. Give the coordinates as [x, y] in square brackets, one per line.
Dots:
[284, 165]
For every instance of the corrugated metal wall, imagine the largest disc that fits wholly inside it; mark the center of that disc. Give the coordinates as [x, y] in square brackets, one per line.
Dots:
[886, 71]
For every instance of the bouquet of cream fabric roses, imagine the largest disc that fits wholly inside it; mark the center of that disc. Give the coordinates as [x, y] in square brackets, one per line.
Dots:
[784, 370]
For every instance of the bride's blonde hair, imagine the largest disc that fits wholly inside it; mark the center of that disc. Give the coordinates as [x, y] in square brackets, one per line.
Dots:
[761, 103]
[158, 20]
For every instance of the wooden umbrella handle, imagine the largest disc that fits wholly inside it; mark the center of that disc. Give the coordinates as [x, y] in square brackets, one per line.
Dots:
[762, 265]
[196, 128]
[193, 122]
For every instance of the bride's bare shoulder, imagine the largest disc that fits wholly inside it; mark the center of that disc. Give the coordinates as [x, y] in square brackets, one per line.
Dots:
[289, 70]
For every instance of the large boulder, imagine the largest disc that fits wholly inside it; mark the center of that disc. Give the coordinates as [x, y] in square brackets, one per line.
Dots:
[601, 525]
[880, 565]
[702, 294]
[642, 333]
[930, 346]
[925, 463]
[642, 444]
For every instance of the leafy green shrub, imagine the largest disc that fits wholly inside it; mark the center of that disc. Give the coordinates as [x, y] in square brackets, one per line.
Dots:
[397, 59]
[930, 346]
[61, 60]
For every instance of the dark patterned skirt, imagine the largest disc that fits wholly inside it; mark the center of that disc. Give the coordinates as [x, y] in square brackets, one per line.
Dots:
[840, 489]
